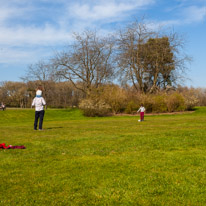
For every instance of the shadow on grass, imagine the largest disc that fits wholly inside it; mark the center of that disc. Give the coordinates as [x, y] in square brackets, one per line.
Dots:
[49, 128]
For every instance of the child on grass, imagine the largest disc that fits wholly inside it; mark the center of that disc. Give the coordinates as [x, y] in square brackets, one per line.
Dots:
[141, 110]
[39, 104]
[3, 107]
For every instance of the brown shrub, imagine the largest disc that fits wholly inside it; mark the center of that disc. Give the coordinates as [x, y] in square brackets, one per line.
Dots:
[131, 108]
[92, 108]
[115, 97]
[159, 104]
[176, 102]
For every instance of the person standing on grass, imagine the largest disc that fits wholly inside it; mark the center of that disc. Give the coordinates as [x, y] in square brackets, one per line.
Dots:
[141, 110]
[39, 104]
[3, 107]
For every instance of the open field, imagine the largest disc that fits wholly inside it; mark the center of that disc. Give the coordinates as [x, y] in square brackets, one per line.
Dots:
[103, 161]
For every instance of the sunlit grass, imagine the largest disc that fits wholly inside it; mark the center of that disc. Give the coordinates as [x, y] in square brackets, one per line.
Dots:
[103, 161]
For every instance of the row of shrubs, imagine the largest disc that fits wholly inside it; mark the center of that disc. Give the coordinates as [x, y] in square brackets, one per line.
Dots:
[115, 102]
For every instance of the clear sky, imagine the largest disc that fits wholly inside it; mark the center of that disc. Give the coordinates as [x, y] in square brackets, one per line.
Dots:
[32, 30]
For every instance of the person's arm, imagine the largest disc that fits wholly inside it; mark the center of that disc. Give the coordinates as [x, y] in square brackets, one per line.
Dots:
[43, 101]
[33, 103]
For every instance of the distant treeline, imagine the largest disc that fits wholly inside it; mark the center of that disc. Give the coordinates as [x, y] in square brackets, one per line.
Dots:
[106, 99]
[20, 94]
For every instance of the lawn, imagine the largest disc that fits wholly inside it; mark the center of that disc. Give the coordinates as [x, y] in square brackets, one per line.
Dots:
[78, 160]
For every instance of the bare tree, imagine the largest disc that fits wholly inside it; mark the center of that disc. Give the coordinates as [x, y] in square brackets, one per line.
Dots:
[40, 71]
[88, 62]
[42, 74]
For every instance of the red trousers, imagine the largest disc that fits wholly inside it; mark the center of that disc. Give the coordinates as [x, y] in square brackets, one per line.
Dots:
[141, 116]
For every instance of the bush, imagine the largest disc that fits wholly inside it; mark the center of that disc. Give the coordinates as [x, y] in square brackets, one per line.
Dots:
[147, 101]
[131, 108]
[190, 100]
[159, 104]
[176, 102]
[115, 97]
[92, 108]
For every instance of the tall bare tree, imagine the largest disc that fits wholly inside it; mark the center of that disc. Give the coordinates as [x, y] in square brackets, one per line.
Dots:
[41, 71]
[88, 61]
[41, 74]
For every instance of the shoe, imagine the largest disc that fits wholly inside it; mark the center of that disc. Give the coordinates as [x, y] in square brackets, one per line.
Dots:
[40, 129]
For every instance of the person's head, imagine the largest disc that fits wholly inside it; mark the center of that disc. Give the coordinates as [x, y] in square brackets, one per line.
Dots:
[141, 105]
[38, 93]
[39, 88]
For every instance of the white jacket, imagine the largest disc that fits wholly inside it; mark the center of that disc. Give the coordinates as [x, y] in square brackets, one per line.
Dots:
[39, 103]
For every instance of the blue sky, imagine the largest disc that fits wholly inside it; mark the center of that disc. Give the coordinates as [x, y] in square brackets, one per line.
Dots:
[32, 30]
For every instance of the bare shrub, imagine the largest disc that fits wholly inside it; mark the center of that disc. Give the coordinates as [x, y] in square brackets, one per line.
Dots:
[176, 102]
[147, 101]
[131, 108]
[193, 96]
[115, 97]
[201, 95]
[92, 108]
[190, 100]
[159, 104]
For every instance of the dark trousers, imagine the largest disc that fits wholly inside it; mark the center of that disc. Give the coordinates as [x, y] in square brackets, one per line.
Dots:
[39, 115]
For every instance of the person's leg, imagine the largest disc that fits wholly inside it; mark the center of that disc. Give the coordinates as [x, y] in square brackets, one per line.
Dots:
[41, 119]
[36, 119]
[142, 116]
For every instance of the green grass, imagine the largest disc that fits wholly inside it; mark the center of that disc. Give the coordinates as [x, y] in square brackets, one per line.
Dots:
[103, 161]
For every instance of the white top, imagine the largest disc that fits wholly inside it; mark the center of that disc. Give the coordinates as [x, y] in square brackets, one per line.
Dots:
[39, 103]
[141, 109]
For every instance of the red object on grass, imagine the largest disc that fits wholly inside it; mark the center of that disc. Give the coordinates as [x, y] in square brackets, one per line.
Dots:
[3, 146]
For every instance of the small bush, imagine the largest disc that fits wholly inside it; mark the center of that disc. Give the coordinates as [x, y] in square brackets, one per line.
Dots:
[191, 102]
[115, 97]
[159, 104]
[147, 101]
[92, 108]
[175, 102]
[190, 99]
[131, 108]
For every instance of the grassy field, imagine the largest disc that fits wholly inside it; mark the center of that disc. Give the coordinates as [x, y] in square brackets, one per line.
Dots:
[77, 160]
